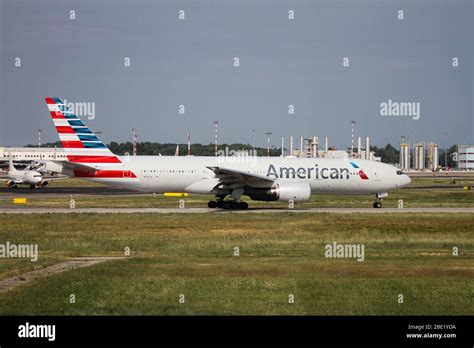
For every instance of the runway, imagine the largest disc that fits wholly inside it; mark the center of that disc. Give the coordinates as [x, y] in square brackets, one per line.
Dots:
[71, 190]
[55, 192]
[23, 210]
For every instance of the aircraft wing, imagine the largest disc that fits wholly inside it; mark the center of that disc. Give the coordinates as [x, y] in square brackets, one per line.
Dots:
[234, 176]
[66, 166]
[55, 177]
[78, 166]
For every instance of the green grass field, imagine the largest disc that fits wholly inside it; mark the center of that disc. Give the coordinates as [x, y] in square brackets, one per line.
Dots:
[280, 254]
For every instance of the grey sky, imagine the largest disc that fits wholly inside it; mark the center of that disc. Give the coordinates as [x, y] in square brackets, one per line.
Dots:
[283, 62]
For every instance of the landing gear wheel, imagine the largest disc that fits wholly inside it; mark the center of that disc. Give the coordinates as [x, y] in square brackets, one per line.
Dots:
[243, 205]
[227, 205]
[212, 204]
[377, 204]
[33, 187]
[220, 204]
[235, 205]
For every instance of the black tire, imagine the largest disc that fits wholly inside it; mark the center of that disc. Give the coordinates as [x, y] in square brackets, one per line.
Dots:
[227, 205]
[220, 204]
[377, 205]
[212, 204]
[235, 205]
[243, 205]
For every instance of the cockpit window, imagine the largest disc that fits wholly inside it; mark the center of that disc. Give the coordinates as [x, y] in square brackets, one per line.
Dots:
[399, 172]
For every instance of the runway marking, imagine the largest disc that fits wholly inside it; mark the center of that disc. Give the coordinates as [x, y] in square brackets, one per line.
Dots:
[221, 211]
[29, 277]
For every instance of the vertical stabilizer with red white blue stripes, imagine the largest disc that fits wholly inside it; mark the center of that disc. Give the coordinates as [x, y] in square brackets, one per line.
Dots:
[82, 146]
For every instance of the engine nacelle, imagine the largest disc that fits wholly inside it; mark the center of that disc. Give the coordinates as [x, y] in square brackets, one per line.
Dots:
[43, 183]
[298, 191]
[11, 184]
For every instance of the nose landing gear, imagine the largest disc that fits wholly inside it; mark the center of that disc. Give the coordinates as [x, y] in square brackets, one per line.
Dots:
[378, 201]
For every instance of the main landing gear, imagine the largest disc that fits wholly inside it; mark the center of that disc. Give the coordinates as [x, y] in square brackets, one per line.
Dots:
[378, 202]
[220, 203]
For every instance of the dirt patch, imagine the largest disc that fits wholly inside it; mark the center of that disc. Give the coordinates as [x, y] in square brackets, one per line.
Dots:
[29, 277]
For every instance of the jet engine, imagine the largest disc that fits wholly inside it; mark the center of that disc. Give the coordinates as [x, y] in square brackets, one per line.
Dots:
[297, 191]
[43, 183]
[11, 184]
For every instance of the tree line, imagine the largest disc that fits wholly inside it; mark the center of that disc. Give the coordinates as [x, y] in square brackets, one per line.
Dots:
[388, 153]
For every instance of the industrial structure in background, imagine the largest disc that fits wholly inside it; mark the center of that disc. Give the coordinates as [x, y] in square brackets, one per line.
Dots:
[310, 148]
[425, 156]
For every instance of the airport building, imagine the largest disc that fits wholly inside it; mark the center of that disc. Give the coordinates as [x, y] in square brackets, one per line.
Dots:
[465, 157]
[26, 154]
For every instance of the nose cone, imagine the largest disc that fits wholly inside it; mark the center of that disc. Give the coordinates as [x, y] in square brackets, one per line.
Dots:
[406, 180]
[36, 177]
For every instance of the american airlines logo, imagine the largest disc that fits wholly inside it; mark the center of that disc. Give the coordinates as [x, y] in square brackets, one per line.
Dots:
[307, 173]
[313, 172]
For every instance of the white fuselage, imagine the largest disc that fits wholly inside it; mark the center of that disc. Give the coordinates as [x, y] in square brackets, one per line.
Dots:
[191, 173]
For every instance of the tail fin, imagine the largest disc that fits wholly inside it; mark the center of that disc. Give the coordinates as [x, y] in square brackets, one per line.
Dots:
[11, 167]
[80, 143]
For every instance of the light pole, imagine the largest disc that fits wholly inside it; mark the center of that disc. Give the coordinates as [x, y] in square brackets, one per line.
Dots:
[446, 150]
[134, 141]
[253, 139]
[268, 142]
[216, 125]
[352, 144]
[39, 137]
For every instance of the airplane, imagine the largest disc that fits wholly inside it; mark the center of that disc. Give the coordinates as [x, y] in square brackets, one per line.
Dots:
[259, 178]
[33, 178]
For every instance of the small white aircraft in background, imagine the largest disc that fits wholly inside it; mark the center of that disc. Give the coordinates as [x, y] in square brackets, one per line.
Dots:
[31, 177]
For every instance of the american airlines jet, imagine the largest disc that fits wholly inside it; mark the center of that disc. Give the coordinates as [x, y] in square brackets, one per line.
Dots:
[260, 178]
